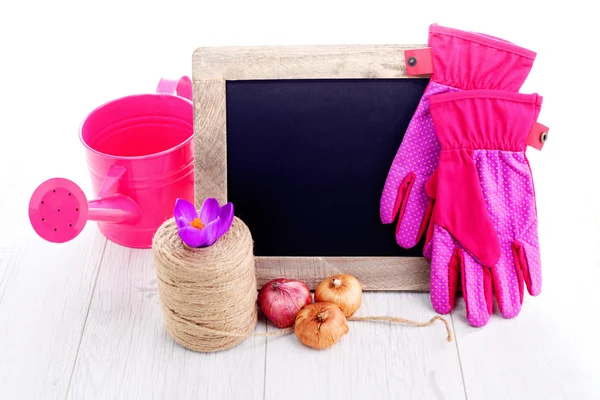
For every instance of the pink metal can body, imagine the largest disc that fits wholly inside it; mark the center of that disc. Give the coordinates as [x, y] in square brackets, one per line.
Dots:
[139, 147]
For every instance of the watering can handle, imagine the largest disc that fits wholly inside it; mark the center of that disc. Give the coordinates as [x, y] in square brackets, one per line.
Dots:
[182, 87]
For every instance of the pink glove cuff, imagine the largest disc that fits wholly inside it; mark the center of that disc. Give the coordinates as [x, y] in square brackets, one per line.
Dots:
[470, 60]
[461, 118]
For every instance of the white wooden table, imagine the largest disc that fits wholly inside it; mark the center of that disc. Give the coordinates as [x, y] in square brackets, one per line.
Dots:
[82, 320]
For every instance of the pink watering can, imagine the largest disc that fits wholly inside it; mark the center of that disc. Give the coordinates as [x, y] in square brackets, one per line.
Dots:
[140, 158]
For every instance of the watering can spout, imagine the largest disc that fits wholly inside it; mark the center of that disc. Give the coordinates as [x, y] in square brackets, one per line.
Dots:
[111, 206]
[59, 210]
[115, 209]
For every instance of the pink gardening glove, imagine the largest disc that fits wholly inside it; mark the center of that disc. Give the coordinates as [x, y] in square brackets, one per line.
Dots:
[484, 222]
[458, 60]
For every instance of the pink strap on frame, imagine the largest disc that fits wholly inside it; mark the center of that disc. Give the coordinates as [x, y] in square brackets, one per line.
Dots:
[418, 62]
[182, 87]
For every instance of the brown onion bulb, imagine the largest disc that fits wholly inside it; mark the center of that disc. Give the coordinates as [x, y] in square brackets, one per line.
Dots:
[343, 290]
[320, 325]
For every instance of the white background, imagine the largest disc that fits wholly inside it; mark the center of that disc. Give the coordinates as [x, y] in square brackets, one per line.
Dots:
[61, 59]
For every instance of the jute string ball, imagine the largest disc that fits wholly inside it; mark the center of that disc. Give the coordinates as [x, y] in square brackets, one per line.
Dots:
[208, 295]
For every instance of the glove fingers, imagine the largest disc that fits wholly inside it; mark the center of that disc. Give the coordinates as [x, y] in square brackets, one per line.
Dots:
[418, 154]
[402, 197]
[518, 267]
[415, 216]
[410, 204]
[527, 259]
[427, 225]
[394, 192]
[477, 289]
[449, 262]
[444, 271]
[408, 230]
[508, 280]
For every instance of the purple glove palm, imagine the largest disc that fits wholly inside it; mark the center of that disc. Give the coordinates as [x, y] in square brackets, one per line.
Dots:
[461, 61]
[484, 219]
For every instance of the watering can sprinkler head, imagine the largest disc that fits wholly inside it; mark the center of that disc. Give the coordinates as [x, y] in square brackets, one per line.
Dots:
[59, 210]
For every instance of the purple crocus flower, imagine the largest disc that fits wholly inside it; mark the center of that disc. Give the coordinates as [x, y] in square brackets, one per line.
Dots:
[205, 229]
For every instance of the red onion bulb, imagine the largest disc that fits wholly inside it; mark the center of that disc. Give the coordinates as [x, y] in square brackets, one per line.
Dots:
[281, 300]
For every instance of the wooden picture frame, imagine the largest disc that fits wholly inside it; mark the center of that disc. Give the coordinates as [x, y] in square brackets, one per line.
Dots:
[212, 67]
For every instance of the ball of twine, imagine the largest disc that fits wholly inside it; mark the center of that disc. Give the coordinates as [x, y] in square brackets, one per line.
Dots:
[208, 295]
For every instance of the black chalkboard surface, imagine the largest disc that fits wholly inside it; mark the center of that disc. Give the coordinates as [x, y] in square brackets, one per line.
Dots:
[307, 161]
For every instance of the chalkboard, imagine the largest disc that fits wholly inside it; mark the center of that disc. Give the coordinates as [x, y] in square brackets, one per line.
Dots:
[300, 139]
[307, 161]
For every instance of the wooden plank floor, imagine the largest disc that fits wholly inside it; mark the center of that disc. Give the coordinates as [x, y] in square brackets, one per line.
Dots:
[82, 321]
